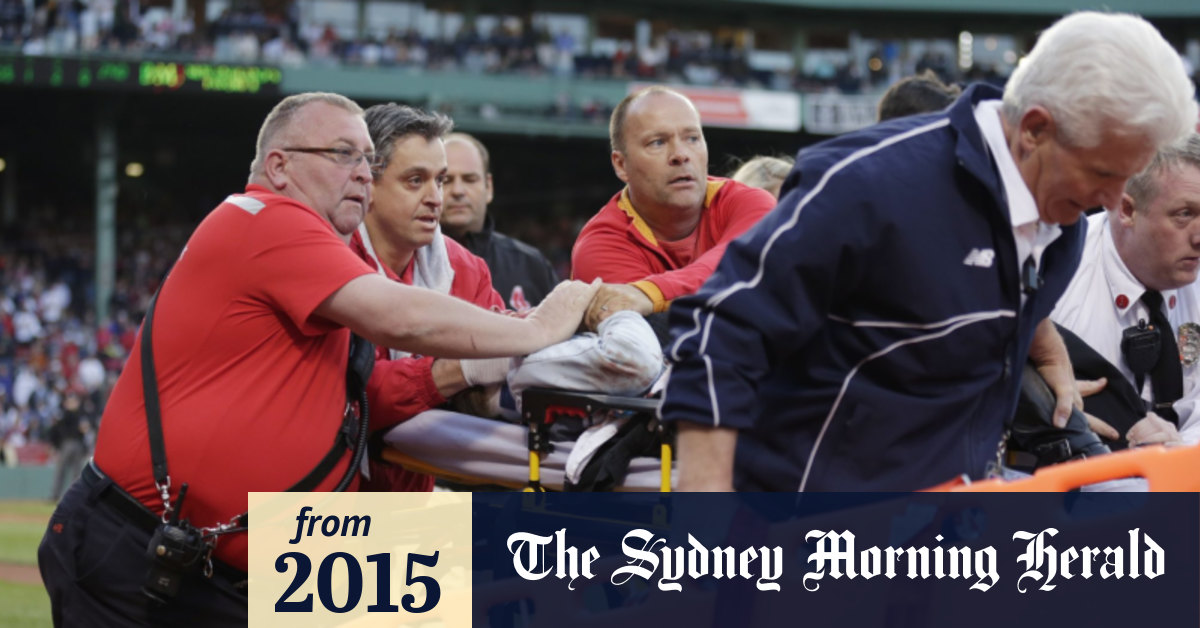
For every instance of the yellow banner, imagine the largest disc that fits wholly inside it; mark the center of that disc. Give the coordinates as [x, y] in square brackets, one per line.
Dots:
[360, 559]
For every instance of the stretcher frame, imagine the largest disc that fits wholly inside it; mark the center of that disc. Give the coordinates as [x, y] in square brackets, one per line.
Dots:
[542, 406]
[517, 453]
[1165, 469]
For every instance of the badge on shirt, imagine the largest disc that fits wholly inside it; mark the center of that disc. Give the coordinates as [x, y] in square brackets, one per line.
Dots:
[1189, 343]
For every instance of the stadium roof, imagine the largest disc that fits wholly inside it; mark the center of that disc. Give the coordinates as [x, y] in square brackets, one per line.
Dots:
[1148, 8]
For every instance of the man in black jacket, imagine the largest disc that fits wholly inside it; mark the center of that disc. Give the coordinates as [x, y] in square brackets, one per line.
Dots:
[520, 273]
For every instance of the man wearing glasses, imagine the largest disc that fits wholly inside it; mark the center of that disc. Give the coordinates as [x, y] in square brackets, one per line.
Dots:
[250, 343]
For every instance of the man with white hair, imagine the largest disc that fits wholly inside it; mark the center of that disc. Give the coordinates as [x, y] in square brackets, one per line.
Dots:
[869, 333]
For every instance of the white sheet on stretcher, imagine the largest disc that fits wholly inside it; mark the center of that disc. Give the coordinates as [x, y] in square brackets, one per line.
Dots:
[494, 451]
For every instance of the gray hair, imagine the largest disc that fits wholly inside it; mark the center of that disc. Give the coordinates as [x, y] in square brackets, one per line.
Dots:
[763, 172]
[1144, 187]
[281, 116]
[1093, 71]
[390, 122]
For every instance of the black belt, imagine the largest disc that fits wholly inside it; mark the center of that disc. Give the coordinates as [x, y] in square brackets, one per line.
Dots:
[138, 514]
[119, 501]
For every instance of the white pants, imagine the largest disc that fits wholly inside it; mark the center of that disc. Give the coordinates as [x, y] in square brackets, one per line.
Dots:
[623, 358]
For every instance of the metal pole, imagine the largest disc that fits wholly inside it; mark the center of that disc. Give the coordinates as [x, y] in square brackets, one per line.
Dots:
[10, 191]
[360, 20]
[106, 206]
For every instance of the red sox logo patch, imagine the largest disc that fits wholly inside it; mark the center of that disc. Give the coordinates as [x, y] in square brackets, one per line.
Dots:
[517, 300]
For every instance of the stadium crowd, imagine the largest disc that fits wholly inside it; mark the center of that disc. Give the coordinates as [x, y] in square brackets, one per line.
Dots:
[247, 34]
[51, 344]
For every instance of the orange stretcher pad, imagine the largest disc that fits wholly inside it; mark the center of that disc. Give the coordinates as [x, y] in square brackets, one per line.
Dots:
[1165, 469]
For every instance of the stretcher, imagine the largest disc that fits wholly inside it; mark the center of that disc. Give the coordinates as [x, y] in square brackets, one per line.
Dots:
[1166, 469]
[541, 407]
[524, 455]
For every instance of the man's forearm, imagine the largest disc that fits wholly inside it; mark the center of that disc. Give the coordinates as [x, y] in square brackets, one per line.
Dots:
[1049, 354]
[1048, 347]
[422, 321]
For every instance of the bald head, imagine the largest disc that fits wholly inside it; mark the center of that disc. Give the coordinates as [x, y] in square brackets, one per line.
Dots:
[468, 185]
[660, 153]
[474, 142]
[620, 115]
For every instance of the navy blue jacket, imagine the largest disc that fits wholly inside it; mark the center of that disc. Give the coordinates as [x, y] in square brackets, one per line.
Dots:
[868, 333]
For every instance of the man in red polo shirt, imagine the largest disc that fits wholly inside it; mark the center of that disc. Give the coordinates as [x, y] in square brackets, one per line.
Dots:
[661, 236]
[401, 239]
[250, 339]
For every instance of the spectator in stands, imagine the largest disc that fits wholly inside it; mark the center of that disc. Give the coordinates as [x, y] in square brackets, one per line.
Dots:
[12, 20]
[920, 93]
[125, 23]
[71, 435]
[835, 349]
[250, 33]
[1139, 273]
[764, 172]
[520, 273]
[9, 422]
[59, 338]
[251, 344]
[662, 235]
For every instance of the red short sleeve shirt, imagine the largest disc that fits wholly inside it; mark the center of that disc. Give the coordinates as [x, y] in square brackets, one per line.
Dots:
[252, 385]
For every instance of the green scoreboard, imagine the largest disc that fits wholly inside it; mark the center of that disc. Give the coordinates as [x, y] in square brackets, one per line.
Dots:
[146, 75]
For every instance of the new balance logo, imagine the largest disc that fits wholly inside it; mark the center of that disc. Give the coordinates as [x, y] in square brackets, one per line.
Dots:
[981, 258]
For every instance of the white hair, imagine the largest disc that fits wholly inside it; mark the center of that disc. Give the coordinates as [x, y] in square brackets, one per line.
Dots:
[1093, 71]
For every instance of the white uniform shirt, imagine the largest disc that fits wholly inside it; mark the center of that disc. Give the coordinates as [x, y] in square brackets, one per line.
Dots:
[1093, 309]
[1031, 235]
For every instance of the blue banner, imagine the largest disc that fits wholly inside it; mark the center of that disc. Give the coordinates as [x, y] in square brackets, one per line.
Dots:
[861, 560]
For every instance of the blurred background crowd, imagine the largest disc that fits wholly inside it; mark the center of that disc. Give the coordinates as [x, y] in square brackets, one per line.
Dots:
[51, 344]
[407, 35]
[58, 359]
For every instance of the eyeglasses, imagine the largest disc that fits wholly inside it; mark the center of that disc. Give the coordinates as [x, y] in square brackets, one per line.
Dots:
[345, 157]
